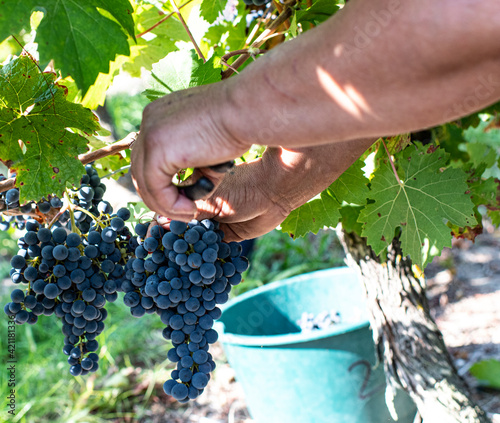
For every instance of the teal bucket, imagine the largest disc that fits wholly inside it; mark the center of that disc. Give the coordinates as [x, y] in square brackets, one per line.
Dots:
[323, 376]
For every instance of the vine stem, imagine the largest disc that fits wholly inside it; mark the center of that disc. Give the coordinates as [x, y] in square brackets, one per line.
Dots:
[95, 219]
[58, 215]
[279, 8]
[116, 171]
[252, 52]
[110, 149]
[163, 19]
[392, 163]
[74, 228]
[87, 157]
[190, 35]
[261, 39]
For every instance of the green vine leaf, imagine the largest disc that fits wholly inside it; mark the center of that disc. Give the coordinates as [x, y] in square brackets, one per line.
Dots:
[145, 53]
[324, 210]
[211, 9]
[14, 16]
[34, 110]
[121, 10]
[312, 216]
[485, 133]
[487, 372]
[180, 70]
[427, 197]
[319, 12]
[228, 36]
[80, 39]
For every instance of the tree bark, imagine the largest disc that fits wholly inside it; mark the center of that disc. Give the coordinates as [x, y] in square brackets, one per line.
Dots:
[407, 339]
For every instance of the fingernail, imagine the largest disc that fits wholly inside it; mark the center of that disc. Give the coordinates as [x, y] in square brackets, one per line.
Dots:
[162, 220]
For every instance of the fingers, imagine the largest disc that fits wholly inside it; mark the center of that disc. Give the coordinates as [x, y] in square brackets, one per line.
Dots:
[204, 181]
[156, 189]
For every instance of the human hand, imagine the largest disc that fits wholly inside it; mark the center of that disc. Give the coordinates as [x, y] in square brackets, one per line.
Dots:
[244, 202]
[255, 197]
[184, 129]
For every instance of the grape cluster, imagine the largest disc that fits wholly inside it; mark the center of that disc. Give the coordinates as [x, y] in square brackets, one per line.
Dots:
[182, 275]
[87, 255]
[89, 197]
[71, 275]
[9, 201]
[309, 322]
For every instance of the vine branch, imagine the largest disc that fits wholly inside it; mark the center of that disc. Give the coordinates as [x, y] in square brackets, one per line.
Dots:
[163, 19]
[190, 35]
[251, 51]
[392, 163]
[271, 29]
[87, 157]
[109, 150]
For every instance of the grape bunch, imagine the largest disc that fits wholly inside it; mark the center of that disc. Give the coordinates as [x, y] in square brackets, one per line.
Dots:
[87, 197]
[9, 201]
[71, 275]
[86, 255]
[182, 275]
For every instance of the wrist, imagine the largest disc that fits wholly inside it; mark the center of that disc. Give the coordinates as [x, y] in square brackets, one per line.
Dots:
[231, 120]
[302, 173]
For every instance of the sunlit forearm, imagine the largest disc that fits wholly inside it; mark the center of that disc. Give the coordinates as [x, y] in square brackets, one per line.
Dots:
[378, 67]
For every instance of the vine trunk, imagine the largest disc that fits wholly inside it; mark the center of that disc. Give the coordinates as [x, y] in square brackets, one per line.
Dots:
[407, 339]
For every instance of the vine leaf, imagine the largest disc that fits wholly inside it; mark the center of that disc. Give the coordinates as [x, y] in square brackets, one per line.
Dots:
[14, 16]
[485, 133]
[80, 39]
[211, 9]
[145, 53]
[482, 143]
[38, 128]
[180, 70]
[74, 33]
[487, 372]
[108, 164]
[319, 12]
[121, 10]
[419, 206]
[312, 216]
[324, 210]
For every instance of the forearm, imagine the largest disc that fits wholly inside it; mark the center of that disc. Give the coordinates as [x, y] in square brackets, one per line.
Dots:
[295, 175]
[420, 68]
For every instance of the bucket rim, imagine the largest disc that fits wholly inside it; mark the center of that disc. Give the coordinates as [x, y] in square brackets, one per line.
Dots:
[288, 338]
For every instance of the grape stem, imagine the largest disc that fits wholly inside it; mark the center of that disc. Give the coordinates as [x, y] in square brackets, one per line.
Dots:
[109, 150]
[95, 219]
[116, 171]
[251, 51]
[261, 39]
[162, 19]
[279, 8]
[183, 22]
[74, 228]
[58, 215]
[392, 163]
